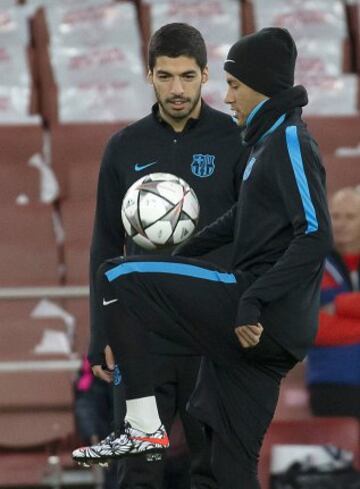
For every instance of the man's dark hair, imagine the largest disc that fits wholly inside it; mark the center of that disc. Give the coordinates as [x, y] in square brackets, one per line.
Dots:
[177, 39]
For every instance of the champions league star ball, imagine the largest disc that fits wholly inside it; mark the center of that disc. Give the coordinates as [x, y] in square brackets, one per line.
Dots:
[160, 210]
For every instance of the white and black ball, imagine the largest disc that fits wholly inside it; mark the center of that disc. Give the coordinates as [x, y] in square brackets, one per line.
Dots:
[160, 210]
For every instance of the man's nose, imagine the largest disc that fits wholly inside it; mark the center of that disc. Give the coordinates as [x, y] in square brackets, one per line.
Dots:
[228, 97]
[177, 87]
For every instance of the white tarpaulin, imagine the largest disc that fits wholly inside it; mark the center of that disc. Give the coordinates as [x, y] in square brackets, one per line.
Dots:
[15, 80]
[99, 64]
[213, 92]
[319, 57]
[14, 28]
[311, 19]
[106, 102]
[14, 106]
[331, 95]
[95, 52]
[93, 24]
[217, 20]
[14, 67]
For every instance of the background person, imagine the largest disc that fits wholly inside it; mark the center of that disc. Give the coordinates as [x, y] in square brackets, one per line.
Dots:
[333, 367]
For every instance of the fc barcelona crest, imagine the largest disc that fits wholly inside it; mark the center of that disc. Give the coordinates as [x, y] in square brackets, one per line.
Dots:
[203, 165]
[117, 375]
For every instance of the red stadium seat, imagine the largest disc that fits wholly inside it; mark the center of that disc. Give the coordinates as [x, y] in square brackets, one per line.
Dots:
[35, 406]
[20, 430]
[19, 143]
[18, 321]
[341, 172]
[78, 144]
[21, 180]
[16, 309]
[28, 248]
[25, 469]
[81, 181]
[31, 331]
[77, 219]
[353, 12]
[39, 31]
[250, 25]
[334, 132]
[79, 308]
[37, 389]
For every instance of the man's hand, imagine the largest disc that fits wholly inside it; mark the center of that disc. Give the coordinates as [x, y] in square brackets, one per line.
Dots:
[249, 334]
[105, 374]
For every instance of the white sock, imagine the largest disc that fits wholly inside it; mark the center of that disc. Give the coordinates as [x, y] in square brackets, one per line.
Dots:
[142, 413]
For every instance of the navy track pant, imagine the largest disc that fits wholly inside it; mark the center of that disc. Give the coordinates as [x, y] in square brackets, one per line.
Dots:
[195, 303]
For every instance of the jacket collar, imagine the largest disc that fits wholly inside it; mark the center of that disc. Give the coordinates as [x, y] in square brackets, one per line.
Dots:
[270, 114]
[190, 123]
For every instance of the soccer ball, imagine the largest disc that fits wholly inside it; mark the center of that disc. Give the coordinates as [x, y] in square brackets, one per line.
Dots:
[160, 210]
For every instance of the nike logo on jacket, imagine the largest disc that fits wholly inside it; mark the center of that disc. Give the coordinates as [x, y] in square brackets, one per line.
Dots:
[138, 167]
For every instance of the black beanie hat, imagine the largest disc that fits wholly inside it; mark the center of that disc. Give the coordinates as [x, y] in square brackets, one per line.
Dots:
[265, 60]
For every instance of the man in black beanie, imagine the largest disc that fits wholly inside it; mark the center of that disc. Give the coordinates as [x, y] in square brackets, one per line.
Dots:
[252, 324]
[281, 233]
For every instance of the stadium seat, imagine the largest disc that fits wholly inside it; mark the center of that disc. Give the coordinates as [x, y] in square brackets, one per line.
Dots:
[353, 11]
[81, 181]
[52, 467]
[20, 430]
[77, 150]
[39, 32]
[341, 432]
[16, 309]
[35, 407]
[143, 12]
[33, 330]
[34, 389]
[77, 218]
[35, 335]
[334, 132]
[341, 172]
[19, 97]
[22, 469]
[48, 91]
[324, 63]
[79, 308]
[22, 182]
[316, 20]
[105, 87]
[28, 248]
[19, 142]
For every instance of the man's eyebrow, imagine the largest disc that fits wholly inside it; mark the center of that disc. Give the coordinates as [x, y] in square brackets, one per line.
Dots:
[188, 72]
[163, 72]
[184, 73]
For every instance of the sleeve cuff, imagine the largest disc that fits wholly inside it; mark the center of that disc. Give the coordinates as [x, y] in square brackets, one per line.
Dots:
[96, 358]
[247, 313]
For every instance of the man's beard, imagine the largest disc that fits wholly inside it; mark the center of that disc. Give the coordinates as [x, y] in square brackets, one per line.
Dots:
[178, 115]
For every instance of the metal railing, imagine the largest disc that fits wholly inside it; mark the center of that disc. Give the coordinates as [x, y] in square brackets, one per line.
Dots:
[63, 292]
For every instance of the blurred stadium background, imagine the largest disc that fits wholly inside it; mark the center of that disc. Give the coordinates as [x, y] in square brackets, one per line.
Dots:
[71, 73]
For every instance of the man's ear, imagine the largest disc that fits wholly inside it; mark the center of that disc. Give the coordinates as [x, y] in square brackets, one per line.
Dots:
[205, 75]
[150, 76]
